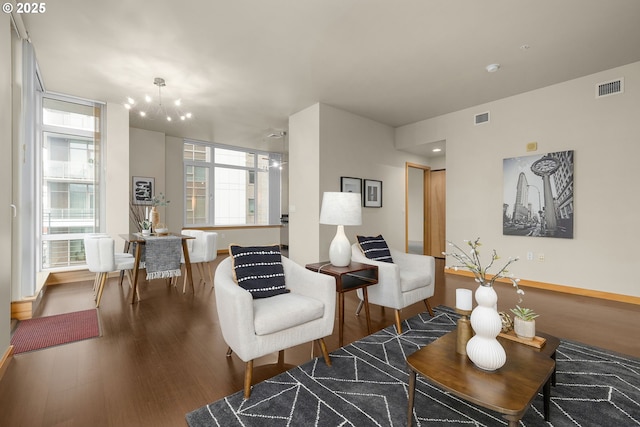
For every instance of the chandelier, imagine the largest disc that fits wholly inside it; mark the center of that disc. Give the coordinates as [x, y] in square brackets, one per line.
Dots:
[155, 107]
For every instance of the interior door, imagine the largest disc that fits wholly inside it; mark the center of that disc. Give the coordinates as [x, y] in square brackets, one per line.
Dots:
[425, 210]
[437, 212]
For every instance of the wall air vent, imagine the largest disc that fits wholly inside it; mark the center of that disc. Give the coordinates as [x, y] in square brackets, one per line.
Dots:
[481, 118]
[609, 88]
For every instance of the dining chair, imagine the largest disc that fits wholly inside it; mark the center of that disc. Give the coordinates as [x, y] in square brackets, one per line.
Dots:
[101, 259]
[118, 255]
[202, 250]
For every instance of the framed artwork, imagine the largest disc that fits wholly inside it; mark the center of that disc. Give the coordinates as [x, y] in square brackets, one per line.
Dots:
[372, 193]
[538, 195]
[142, 189]
[350, 185]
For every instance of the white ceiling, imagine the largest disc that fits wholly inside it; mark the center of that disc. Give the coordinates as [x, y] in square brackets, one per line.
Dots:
[244, 66]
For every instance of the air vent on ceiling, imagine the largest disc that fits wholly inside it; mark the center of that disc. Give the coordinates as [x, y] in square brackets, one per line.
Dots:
[482, 118]
[609, 88]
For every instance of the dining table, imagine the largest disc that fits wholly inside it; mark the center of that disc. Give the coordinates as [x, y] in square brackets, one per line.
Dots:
[139, 240]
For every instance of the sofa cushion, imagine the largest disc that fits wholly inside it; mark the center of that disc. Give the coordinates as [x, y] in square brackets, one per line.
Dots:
[283, 312]
[375, 248]
[258, 269]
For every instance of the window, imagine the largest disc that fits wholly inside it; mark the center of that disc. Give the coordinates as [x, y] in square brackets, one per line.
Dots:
[70, 179]
[230, 186]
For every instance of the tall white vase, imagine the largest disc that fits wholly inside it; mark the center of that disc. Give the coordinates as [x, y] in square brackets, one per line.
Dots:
[483, 348]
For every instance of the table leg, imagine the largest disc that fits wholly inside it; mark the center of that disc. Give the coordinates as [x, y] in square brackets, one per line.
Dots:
[340, 317]
[187, 263]
[412, 392]
[366, 309]
[553, 375]
[546, 397]
[136, 270]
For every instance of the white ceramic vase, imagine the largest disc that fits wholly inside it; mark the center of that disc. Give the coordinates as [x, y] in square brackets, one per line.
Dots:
[483, 348]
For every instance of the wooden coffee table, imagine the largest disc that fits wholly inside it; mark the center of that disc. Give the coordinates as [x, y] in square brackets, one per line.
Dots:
[508, 390]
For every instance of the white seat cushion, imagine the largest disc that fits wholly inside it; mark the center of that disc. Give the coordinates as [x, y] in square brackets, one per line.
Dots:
[284, 311]
[410, 280]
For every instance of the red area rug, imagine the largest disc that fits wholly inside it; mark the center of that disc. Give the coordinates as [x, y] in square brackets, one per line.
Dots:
[43, 332]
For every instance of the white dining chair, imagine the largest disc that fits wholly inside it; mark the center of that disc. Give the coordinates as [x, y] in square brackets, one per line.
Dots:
[101, 259]
[202, 250]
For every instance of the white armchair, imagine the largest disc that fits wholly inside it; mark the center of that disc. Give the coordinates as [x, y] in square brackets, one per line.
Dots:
[256, 327]
[409, 279]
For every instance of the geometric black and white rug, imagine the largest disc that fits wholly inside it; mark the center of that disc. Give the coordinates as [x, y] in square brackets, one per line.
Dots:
[367, 386]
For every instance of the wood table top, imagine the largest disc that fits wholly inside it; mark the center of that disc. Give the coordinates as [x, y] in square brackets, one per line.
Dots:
[508, 390]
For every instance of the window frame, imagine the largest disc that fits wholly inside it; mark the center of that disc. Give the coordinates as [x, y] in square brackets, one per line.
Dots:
[99, 183]
[274, 176]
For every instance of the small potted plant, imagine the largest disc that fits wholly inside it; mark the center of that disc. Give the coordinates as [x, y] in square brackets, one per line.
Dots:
[524, 324]
[145, 226]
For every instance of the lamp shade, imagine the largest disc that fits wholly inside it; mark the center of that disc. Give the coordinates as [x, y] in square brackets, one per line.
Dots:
[341, 209]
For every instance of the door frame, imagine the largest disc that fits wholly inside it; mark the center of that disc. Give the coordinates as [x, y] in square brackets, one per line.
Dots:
[426, 182]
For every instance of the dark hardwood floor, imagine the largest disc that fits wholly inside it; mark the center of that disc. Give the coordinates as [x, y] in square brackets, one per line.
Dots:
[164, 356]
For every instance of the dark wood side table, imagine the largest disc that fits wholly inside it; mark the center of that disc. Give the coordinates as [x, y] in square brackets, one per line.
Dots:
[349, 278]
[508, 390]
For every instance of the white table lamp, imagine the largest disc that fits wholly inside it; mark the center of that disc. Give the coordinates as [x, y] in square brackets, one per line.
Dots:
[341, 209]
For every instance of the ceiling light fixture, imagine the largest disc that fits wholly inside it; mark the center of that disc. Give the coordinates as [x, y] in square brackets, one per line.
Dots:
[492, 68]
[155, 107]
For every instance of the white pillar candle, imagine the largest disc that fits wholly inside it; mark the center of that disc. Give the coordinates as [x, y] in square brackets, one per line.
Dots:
[464, 299]
[146, 212]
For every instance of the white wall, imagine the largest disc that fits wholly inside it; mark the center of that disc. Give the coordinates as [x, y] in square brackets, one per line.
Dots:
[604, 134]
[330, 143]
[117, 170]
[147, 158]
[6, 179]
[304, 185]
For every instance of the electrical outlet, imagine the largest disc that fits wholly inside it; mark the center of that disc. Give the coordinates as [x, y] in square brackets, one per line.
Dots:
[540, 257]
[529, 256]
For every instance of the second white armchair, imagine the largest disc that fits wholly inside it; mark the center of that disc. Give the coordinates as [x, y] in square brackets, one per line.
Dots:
[406, 281]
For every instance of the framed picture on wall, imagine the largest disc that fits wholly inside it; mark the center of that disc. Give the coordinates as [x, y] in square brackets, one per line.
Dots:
[350, 185]
[372, 193]
[538, 195]
[142, 189]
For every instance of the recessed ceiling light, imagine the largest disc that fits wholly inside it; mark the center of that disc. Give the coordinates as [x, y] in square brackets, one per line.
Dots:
[525, 47]
[492, 68]
[437, 150]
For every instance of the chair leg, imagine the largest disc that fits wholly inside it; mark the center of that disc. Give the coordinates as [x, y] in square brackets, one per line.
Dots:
[229, 352]
[325, 353]
[280, 359]
[202, 274]
[210, 268]
[103, 280]
[360, 305]
[426, 302]
[398, 322]
[248, 376]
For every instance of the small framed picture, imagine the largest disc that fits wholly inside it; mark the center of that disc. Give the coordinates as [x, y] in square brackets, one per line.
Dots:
[350, 185]
[372, 193]
[142, 189]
